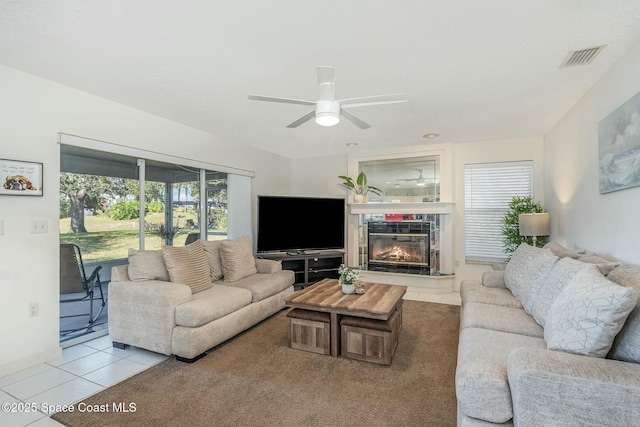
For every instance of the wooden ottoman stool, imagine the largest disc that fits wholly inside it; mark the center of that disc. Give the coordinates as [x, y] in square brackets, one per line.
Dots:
[371, 340]
[309, 331]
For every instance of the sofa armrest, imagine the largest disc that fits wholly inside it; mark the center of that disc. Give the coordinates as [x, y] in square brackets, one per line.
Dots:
[493, 279]
[120, 273]
[268, 266]
[143, 313]
[556, 388]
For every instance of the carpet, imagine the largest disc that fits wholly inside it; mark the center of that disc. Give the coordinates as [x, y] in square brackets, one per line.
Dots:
[254, 379]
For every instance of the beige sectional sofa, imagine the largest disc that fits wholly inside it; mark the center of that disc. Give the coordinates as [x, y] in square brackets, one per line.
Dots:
[186, 300]
[551, 341]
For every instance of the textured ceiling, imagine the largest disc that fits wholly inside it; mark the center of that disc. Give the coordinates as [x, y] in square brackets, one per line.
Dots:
[472, 70]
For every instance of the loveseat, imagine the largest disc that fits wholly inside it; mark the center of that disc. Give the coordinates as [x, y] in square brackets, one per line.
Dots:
[186, 300]
[554, 340]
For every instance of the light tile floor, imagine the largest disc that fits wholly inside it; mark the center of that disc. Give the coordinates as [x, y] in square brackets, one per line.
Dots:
[86, 369]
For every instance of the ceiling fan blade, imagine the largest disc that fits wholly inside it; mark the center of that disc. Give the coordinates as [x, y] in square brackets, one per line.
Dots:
[393, 98]
[282, 100]
[326, 82]
[407, 179]
[353, 119]
[302, 119]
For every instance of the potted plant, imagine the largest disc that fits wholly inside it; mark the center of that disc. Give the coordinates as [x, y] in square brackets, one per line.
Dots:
[359, 187]
[511, 229]
[347, 279]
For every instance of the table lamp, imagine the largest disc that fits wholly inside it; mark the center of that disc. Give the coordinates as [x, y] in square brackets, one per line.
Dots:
[534, 224]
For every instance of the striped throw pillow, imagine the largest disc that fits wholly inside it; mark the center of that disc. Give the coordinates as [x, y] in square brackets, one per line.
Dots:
[188, 265]
[237, 259]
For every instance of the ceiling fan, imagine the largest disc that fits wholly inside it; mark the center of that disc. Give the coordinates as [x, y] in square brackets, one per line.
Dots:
[328, 110]
[420, 180]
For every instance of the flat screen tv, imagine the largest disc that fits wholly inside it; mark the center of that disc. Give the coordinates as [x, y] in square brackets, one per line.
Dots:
[299, 224]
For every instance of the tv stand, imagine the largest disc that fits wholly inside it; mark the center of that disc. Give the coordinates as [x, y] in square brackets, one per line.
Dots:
[310, 267]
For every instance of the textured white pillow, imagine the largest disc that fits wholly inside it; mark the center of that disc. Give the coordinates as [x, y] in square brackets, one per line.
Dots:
[188, 265]
[626, 346]
[526, 272]
[560, 275]
[237, 259]
[147, 265]
[212, 250]
[588, 314]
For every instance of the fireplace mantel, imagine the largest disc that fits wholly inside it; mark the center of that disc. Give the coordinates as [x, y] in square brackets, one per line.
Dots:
[441, 208]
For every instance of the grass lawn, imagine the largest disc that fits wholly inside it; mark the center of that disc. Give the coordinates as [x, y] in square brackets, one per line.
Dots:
[108, 239]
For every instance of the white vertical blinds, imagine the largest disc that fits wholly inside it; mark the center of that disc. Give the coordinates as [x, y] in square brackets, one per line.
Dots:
[488, 190]
[239, 205]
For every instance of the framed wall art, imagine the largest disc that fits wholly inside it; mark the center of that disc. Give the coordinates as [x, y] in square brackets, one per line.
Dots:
[20, 178]
[619, 147]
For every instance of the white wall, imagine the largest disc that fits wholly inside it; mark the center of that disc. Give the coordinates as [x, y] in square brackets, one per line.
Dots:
[581, 216]
[33, 111]
[318, 176]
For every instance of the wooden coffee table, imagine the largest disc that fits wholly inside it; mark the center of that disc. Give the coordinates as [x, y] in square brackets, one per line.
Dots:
[379, 302]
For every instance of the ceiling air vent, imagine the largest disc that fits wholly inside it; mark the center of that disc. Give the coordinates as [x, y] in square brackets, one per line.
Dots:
[581, 57]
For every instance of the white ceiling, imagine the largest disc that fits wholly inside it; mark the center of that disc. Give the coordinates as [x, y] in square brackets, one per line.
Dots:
[472, 70]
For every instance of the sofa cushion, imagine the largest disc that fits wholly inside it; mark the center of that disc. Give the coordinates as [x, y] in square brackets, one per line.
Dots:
[560, 250]
[211, 304]
[497, 318]
[482, 387]
[188, 265]
[604, 265]
[561, 274]
[473, 291]
[588, 314]
[212, 250]
[626, 346]
[526, 272]
[263, 286]
[147, 265]
[237, 259]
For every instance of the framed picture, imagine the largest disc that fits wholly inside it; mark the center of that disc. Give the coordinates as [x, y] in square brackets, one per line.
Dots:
[619, 146]
[20, 178]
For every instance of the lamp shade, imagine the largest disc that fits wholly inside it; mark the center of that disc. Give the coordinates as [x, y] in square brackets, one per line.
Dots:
[535, 224]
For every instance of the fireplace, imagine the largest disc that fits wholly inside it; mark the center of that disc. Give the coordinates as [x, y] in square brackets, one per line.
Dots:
[399, 246]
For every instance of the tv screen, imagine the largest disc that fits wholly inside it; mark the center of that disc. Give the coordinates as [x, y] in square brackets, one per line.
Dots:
[295, 224]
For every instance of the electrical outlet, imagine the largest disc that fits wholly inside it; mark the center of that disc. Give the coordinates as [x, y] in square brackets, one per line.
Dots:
[34, 309]
[457, 263]
[1, 227]
[39, 226]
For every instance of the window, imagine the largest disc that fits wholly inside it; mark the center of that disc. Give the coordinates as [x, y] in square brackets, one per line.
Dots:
[100, 203]
[488, 190]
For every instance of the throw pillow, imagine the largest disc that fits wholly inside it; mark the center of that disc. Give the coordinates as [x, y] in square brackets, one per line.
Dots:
[604, 265]
[560, 250]
[212, 250]
[526, 272]
[588, 314]
[188, 265]
[237, 259]
[626, 346]
[147, 265]
[560, 275]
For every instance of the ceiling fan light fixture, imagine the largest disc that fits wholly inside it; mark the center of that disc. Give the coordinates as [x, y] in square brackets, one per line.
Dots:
[327, 113]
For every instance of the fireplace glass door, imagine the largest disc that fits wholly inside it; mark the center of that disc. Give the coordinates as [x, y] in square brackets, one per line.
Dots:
[399, 246]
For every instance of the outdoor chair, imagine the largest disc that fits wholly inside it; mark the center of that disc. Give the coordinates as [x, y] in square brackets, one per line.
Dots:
[191, 237]
[76, 287]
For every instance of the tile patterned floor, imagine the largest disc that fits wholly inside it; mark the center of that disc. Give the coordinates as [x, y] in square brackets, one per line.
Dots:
[88, 368]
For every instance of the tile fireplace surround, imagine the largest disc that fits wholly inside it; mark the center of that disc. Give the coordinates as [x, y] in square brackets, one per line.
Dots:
[440, 280]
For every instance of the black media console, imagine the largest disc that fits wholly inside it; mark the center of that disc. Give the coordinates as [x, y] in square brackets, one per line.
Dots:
[310, 267]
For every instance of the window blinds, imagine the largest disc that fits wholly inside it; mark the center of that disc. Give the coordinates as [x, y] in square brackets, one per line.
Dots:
[488, 190]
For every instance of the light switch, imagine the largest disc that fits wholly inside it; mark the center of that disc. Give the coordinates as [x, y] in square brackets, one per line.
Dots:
[39, 226]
